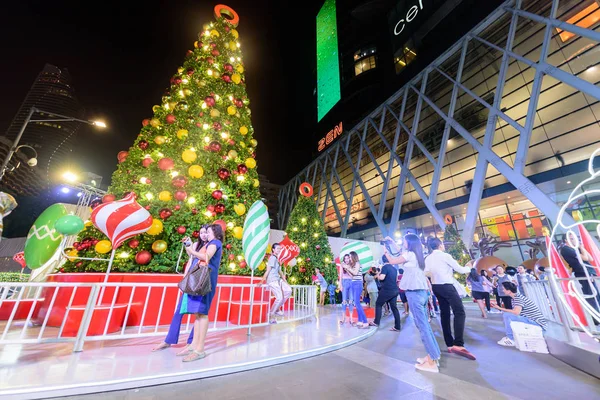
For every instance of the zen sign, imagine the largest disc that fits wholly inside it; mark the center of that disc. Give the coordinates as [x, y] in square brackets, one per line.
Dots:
[331, 136]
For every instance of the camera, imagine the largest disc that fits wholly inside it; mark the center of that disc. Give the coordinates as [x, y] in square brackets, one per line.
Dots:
[187, 242]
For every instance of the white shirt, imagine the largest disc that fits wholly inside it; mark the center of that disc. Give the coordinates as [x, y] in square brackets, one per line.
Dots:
[413, 277]
[441, 267]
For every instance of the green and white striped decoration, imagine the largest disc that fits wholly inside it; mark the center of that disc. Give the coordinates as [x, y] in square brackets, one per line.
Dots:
[365, 255]
[256, 234]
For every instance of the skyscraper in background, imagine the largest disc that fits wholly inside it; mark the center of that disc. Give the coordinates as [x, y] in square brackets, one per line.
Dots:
[52, 91]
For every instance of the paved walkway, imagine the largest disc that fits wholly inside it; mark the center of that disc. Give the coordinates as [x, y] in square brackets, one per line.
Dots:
[381, 367]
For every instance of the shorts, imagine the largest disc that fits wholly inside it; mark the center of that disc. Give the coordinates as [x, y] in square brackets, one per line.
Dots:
[479, 295]
[403, 296]
[323, 288]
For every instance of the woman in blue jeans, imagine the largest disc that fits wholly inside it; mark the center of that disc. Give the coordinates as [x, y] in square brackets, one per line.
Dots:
[346, 287]
[416, 287]
[354, 269]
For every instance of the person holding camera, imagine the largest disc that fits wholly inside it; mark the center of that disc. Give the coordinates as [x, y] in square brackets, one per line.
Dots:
[175, 328]
[388, 294]
[371, 286]
[441, 267]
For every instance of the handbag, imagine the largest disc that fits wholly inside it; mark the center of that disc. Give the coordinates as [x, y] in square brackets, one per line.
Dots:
[197, 281]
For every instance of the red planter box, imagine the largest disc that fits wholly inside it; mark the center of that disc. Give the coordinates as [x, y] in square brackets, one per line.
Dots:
[22, 311]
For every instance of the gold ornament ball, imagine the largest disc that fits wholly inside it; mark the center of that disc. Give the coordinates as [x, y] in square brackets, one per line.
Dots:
[71, 254]
[214, 33]
[261, 266]
[232, 46]
[189, 156]
[243, 130]
[250, 163]
[214, 113]
[256, 183]
[242, 144]
[160, 140]
[195, 171]
[165, 195]
[254, 142]
[160, 246]
[231, 110]
[240, 209]
[187, 92]
[235, 33]
[216, 74]
[240, 68]
[154, 122]
[180, 70]
[238, 232]
[196, 44]
[155, 108]
[156, 228]
[182, 134]
[103, 246]
[236, 78]
[172, 105]
[232, 154]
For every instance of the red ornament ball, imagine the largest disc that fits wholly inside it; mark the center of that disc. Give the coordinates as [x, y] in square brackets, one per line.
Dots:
[181, 230]
[78, 265]
[228, 67]
[210, 60]
[179, 181]
[170, 119]
[146, 162]
[190, 71]
[228, 246]
[220, 208]
[166, 164]
[242, 169]
[318, 247]
[194, 211]
[243, 264]
[217, 126]
[231, 257]
[210, 208]
[122, 156]
[145, 122]
[223, 174]
[147, 207]
[231, 142]
[196, 234]
[133, 243]
[226, 78]
[107, 198]
[217, 195]
[214, 146]
[189, 53]
[238, 195]
[165, 213]
[302, 270]
[210, 101]
[143, 257]
[180, 195]
[215, 52]
[239, 103]
[177, 207]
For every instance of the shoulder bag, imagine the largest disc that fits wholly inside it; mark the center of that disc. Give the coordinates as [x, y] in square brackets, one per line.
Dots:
[197, 281]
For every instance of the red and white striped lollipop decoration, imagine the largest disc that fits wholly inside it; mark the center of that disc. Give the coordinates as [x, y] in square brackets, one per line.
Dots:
[284, 256]
[121, 219]
[20, 258]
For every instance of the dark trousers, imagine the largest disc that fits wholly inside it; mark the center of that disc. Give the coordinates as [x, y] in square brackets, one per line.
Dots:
[587, 290]
[448, 298]
[486, 297]
[507, 302]
[390, 299]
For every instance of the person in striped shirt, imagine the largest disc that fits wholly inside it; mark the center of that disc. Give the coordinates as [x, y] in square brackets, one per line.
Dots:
[524, 310]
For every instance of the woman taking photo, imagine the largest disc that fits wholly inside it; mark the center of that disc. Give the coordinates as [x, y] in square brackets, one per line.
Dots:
[354, 270]
[175, 328]
[479, 285]
[415, 284]
[502, 293]
[346, 288]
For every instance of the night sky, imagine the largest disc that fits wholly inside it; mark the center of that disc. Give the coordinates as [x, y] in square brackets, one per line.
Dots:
[121, 58]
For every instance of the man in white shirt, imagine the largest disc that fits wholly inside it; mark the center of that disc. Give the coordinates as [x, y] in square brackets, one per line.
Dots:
[440, 267]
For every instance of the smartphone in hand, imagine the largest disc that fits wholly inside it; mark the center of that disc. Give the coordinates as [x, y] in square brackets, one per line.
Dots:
[187, 241]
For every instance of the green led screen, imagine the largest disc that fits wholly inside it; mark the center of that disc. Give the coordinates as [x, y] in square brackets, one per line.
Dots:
[328, 68]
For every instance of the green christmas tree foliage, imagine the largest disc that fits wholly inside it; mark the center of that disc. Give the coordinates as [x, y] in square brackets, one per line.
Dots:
[193, 162]
[306, 229]
[456, 248]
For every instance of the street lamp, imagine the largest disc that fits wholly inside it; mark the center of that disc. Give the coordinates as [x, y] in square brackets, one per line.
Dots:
[54, 118]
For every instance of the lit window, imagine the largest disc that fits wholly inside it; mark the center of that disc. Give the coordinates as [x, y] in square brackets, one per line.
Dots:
[364, 60]
[403, 58]
[585, 18]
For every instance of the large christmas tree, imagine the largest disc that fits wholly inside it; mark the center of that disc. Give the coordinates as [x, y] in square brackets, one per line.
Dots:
[193, 162]
[456, 248]
[306, 229]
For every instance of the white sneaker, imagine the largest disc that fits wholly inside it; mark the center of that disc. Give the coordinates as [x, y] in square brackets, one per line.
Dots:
[426, 368]
[505, 341]
[279, 313]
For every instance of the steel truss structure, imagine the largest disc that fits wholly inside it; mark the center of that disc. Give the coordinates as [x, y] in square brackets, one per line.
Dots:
[393, 136]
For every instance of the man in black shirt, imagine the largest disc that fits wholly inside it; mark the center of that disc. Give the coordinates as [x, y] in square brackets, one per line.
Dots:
[570, 256]
[388, 293]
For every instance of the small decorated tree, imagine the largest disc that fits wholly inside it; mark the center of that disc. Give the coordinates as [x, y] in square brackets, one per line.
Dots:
[306, 229]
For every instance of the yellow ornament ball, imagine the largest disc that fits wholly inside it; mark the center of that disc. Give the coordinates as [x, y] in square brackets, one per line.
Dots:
[254, 143]
[103, 247]
[88, 224]
[240, 209]
[238, 232]
[235, 33]
[172, 105]
[154, 122]
[243, 130]
[214, 113]
[71, 254]
[214, 33]
[256, 183]
[156, 228]
[242, 144]
[240, 68]
[196, 44]
[216, 74]
[165, 195]
[232, 45]
[160, 140]
[231, 110]
[232, 154]
[187, 92]
[180, 70]
[182, 134]
[160, 246]
[236, 78]
[261, 266]
[195, 171]
[250, 163]
[189, 156]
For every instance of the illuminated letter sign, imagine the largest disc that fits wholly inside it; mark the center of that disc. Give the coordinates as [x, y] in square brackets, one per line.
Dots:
[410, 15]
[330, 137]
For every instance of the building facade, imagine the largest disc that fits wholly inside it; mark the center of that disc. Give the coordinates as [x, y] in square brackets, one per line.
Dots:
[52, 91]
[491, 136]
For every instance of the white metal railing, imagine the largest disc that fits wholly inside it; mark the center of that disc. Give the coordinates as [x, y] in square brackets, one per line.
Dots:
[544, 294]
[50, 312]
